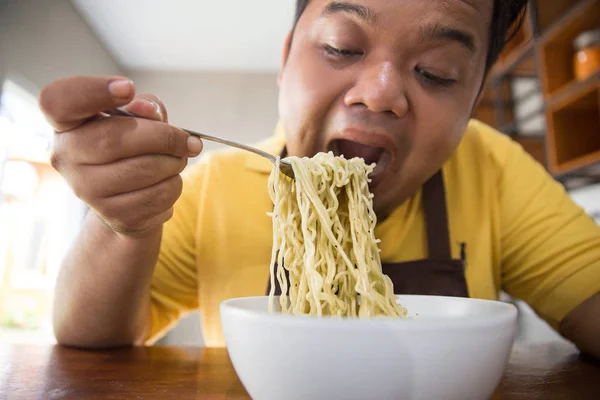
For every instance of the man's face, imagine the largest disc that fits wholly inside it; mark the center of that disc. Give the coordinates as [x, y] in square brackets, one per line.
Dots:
[391, 81]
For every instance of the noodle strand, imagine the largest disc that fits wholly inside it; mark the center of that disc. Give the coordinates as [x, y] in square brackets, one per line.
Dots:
[324, 238]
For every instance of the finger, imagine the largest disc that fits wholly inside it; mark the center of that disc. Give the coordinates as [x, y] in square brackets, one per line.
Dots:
[107, 140]
[149, 106]
[124, 176]
[136, 211]
[69, 102]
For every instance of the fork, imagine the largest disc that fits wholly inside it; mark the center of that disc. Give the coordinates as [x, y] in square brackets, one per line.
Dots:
[284, 166]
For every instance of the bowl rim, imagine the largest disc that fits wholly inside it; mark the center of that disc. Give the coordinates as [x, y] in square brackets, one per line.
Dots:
[507, 312]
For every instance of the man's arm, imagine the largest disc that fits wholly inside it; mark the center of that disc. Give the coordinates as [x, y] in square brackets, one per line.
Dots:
[582, 326]
[127, 170]
[550, 249]
[102, 294]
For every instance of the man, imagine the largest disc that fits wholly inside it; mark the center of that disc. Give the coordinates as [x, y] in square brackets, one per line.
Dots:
[392, 81]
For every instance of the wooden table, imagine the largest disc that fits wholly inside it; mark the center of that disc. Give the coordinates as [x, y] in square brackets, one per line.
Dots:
[38, 372]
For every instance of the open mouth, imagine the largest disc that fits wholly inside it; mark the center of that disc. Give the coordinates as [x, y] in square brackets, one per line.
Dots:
[370, 154]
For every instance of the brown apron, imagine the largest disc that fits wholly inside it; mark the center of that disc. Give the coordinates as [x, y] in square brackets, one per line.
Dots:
[439, 274]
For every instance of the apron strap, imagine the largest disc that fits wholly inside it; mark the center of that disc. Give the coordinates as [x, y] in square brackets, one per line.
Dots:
[436, 218]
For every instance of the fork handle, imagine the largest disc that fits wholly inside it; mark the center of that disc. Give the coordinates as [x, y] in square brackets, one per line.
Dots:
[118, 112]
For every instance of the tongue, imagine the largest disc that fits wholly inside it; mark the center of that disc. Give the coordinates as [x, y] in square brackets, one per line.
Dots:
[351, 149]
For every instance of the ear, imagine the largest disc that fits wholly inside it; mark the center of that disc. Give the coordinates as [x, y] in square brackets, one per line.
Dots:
[286, 52]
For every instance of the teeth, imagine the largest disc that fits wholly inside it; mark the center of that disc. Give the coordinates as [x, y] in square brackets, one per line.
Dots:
[380, 165]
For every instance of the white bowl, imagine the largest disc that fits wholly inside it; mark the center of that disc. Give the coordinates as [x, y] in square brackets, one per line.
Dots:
[448, 348]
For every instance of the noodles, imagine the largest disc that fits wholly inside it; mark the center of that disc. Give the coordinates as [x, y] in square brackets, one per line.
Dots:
[323, 236]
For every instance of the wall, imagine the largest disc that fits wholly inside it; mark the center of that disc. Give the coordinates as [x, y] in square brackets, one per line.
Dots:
[47, 40]
[5, 10]
[237, 106]
[41, 41]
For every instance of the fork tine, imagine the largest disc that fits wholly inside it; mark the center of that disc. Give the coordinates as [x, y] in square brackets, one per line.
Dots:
[286, 169]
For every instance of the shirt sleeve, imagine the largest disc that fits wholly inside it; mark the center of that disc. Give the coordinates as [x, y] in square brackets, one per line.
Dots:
[174, 287]
[550, 246]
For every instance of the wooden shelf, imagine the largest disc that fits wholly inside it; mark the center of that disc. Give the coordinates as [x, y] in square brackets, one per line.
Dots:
[588, 172]
[544, 49]
[549, 12]
[561, 14]
[577, 163]
[556, 49]
[574, 129]
[573, 91]
[519, 62]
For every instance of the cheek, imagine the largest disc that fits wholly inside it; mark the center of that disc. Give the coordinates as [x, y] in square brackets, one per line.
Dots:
[437, 129]
[434, 136]
[306, 99]
[296, 115]
[441, 125]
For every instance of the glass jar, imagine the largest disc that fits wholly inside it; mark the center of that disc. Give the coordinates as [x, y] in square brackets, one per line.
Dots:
[587, 57]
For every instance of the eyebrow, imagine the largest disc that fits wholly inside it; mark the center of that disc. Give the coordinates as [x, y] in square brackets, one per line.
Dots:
[362, 12]
[442, 32]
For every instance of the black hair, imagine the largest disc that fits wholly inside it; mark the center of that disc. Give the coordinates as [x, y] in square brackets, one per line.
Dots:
[506, 20]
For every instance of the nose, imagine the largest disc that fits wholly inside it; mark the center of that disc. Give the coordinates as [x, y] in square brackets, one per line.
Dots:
[379, 88]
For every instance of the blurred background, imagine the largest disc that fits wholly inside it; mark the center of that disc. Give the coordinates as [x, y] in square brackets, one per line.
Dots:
[215, 64]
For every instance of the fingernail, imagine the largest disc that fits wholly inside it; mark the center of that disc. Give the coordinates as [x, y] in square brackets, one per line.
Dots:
[121, 88]
[194, 145]
[157, 108]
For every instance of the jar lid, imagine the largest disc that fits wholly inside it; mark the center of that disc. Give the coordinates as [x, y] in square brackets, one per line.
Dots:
[587, 39]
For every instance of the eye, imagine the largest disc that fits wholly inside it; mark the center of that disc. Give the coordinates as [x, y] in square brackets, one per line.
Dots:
[434, 79]
[341, 53]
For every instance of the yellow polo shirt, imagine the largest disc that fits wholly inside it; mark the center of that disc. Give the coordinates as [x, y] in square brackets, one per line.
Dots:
[524, 235]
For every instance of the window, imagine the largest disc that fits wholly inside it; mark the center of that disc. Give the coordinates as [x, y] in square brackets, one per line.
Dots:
[39, 218]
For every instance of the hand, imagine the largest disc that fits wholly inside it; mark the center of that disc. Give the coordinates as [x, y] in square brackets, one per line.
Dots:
[125, 169]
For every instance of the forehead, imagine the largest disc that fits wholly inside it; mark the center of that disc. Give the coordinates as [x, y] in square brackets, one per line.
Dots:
[473, 14]
[482, 7]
